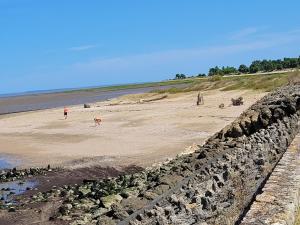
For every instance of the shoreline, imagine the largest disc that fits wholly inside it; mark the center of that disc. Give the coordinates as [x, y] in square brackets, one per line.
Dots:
[29, 103]
[105, 88]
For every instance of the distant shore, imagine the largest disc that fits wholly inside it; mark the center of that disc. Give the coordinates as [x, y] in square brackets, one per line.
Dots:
[32, 101]
[38, 101]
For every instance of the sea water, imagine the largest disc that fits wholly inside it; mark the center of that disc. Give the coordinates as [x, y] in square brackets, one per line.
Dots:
[9, 190]
[4, 164]
[7, 162]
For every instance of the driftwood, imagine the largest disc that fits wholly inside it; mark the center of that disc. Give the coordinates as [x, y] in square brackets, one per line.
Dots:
[237, 101]
[153, 99]
[121, 103]
[200, 99]
[138, 101]
[86, 106]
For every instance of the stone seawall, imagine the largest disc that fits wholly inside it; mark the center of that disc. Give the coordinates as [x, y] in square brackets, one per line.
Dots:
[280, 198]
[214, 185]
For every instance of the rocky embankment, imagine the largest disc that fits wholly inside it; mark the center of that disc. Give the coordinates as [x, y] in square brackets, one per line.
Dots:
[14, 174]
[213, 185]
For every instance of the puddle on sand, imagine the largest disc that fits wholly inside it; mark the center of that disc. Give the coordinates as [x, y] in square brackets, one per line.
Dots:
[10, 189]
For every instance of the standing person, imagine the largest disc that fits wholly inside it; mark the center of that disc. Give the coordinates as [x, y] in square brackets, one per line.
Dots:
[66, 110]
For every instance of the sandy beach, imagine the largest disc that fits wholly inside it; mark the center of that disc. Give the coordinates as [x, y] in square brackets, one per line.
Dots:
[130, 133]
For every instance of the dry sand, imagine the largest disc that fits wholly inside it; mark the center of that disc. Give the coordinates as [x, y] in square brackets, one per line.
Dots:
[130, 133]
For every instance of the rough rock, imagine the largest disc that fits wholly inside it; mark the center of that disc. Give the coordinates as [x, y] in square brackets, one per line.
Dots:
[107, 201]
[213, 185]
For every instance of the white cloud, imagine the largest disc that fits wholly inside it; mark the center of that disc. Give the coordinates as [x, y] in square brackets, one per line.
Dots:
[180, 56]
[82, 47]
[244, 33]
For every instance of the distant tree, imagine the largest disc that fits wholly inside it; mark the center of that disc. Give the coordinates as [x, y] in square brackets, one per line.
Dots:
[293, 63]
[215, 71]
[286, 63]
[278, 64]
[228, 70]
[257, 65]
[212, 71]
[243, 69]
[201, 75]
[254, 68]
[180, 76]
[267, 65]
[289, 63]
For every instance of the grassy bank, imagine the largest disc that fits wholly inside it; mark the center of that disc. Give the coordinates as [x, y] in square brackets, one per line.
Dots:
[297, 220]
[142, 85]
[266, 82]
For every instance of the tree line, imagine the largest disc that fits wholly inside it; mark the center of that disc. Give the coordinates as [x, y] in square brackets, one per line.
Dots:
[183, 76]
[255, 67]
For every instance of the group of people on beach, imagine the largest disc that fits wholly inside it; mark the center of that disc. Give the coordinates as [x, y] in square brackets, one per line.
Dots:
[97, 119]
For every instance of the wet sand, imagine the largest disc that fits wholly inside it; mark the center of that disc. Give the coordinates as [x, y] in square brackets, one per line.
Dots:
[130, 133]
[25, 103]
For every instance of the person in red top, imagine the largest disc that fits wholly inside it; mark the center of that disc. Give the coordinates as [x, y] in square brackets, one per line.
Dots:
[66, 110]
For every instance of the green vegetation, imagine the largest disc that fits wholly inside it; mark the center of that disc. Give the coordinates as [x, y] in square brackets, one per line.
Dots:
[297, 220]
[183, 76]
[133, 86]
[243, 69]
[216, 80]
[266, 82]
[223, 71]
[180, 76]
[257, 66]
[262, 66]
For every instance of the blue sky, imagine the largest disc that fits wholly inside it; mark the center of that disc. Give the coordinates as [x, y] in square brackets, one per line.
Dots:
[71, 43]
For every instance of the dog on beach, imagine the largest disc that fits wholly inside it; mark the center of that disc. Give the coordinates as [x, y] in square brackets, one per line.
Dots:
[97, 121]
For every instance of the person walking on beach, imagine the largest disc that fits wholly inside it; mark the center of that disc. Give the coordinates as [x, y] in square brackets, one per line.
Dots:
[66, 110]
